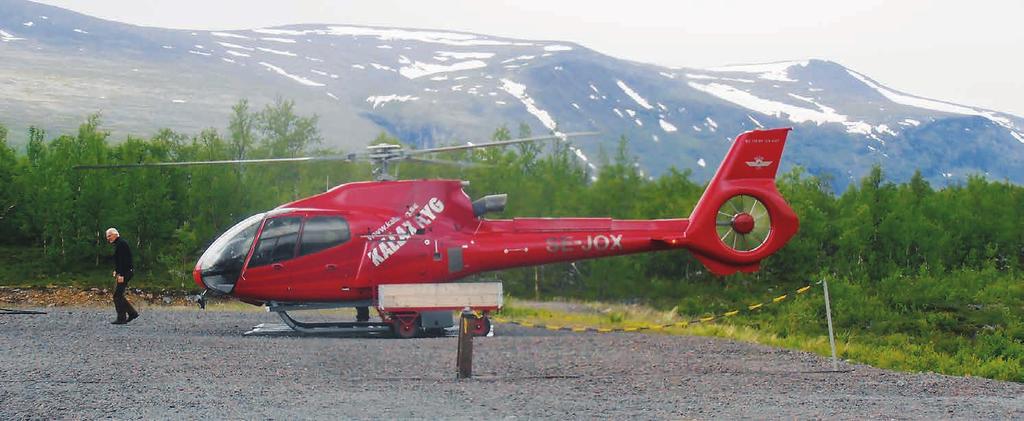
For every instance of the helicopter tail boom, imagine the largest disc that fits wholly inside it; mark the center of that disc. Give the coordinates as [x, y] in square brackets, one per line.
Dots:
[742, 218]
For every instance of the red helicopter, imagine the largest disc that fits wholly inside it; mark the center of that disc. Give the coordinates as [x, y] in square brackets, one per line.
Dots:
[336, 248]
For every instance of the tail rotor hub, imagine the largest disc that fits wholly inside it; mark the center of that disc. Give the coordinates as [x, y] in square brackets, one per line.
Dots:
[743, 223]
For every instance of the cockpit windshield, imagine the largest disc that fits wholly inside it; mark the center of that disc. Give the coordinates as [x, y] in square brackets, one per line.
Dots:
[221, 264]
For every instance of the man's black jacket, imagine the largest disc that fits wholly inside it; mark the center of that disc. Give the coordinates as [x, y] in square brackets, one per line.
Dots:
[122, 258]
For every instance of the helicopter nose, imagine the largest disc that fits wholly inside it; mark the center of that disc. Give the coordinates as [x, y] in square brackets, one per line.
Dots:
[198, 277]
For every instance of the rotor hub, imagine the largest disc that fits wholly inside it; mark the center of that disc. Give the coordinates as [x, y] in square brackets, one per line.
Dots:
[743, 223]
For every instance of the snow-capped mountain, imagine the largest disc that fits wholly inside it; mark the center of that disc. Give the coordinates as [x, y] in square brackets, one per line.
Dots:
[429, 87]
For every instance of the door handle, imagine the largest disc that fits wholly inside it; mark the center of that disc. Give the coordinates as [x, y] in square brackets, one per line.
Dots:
[331, 267]
[277, 266]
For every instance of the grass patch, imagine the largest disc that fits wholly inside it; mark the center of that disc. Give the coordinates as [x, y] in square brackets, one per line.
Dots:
[971, 328]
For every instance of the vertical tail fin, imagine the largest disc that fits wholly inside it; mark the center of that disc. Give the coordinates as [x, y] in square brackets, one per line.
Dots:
[742, 218]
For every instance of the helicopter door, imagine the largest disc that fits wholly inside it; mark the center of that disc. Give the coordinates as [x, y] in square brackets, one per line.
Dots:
[326, 259]
[270, 267]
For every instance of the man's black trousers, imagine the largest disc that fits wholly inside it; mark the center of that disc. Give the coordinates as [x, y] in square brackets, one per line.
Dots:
[121, 305]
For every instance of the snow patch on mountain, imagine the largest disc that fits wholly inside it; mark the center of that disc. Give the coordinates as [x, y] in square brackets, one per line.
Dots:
[769, 107]
[380, 100]
[769, 71]
[711, 123]
[384, 34]
[709, 77]
[580, 155]
[462, 56]
[929, 104]
[419, 69]
[666, 126]
[632, 94]
[228, 35]
[8, 37]
[276, 39]
[296, 78]
[278, 52]
[557, 48]
[235, 46]
[822, 115]
[518, 91]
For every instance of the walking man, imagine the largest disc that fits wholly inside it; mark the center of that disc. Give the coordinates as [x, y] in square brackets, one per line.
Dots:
[123, 271]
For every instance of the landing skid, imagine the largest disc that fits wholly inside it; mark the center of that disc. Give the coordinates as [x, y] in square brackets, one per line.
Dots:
[405, 324]
[319, 328]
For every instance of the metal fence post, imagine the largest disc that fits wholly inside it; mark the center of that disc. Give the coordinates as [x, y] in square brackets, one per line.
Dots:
[831, 336]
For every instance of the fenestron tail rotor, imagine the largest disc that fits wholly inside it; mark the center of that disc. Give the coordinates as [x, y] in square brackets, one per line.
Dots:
[743, 223]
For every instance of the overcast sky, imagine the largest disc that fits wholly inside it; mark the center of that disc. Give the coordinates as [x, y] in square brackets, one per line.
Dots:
[965, 52]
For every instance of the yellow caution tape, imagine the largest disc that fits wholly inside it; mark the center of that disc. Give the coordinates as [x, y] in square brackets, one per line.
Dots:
[681, 324]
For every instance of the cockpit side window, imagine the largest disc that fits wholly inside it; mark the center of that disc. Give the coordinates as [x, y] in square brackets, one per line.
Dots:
[277, 241]
[323, 232]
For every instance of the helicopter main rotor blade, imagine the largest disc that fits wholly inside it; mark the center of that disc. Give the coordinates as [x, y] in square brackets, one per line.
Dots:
[498, 143]
[220, 162]
[442, 162]
[381, 156]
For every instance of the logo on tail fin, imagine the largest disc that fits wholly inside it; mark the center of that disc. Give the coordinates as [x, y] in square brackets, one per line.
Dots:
[758, 163]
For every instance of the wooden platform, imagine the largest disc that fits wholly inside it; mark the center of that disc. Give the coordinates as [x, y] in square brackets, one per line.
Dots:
[454, 296]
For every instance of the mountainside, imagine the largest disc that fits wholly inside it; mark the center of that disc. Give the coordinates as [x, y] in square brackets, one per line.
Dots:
[428, 87]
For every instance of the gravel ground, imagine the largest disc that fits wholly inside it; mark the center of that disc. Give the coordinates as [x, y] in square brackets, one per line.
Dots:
[177, 362]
